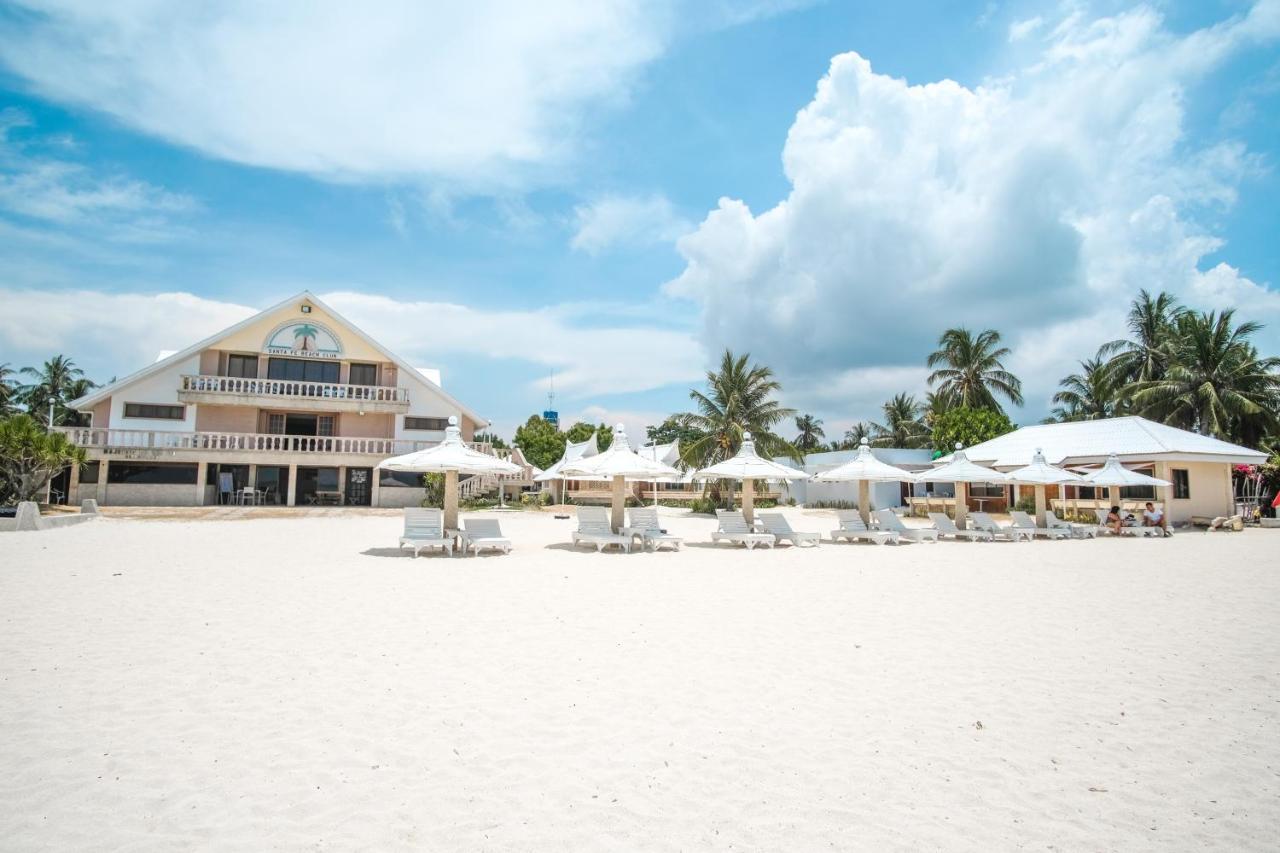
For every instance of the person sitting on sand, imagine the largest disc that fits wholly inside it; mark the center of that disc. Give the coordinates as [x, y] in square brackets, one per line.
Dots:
[1152, 517]
[1114, 521]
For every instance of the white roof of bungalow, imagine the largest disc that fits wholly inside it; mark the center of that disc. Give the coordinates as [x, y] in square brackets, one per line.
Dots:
[1132, 439]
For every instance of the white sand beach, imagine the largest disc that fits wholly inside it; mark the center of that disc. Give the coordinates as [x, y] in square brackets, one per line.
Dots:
[298, 684]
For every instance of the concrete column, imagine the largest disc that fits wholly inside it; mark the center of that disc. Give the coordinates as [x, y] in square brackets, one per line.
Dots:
[451, 500]
[202, 478]
[864, 501]
[962, 505]
[1042, 507]
[1113, 496]
[293, 485]
[342, 484]
[375, 489]
[618, 503]
[749, 501]
[253, 475]
[102, 482]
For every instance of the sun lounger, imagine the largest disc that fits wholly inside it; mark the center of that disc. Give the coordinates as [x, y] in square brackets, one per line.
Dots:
[1022, 521]
[1125, 529]
[889, 521]
[947, 527]
[594, 529]
[734, 528]
[481, 533]
[851, 528]
[642, 522]
[982, 521]
[424, 528]
[777, 524]
[1079, 531]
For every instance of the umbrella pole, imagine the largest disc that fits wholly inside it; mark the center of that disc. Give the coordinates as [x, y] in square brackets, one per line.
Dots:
[864, 501]
[1041, 507]
[451, 500]
[619, 502]
[748, 501]
[962, 505]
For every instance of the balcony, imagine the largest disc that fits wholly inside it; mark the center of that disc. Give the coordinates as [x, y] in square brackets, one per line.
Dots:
[195, 446]
[297, 395]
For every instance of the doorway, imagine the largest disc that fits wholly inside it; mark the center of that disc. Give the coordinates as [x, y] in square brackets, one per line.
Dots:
[359, 492]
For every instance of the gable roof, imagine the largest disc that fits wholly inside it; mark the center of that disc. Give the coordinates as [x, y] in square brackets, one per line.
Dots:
[405, 369]
[1131, 438]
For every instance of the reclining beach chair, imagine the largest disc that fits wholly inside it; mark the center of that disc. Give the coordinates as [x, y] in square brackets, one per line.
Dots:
[851, 528]
[1079, 531]
[983, 521]
[642, 522]
[424, 528]
[947, 527]
[777, 524]
[594, 529]
[889, 521]
[734, 528]
[1022, 521]
[481, 533]
[1125, 530]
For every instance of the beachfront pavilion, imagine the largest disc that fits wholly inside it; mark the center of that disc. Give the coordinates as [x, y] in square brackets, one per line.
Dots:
[1198, 467]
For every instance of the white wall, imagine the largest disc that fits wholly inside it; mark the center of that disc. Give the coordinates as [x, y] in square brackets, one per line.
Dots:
[161, 388]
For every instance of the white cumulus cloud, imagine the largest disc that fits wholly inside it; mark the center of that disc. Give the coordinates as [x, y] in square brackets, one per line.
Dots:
[1037, 202]
[626, 221]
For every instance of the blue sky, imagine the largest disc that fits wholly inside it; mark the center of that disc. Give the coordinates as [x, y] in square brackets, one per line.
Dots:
[618, 191]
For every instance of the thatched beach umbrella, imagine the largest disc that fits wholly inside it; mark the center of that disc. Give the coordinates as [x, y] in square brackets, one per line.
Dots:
[450, 457]
[748, 466]
[866, 469]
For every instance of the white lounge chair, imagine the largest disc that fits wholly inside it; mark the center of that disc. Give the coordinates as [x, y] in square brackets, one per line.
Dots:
[851, 528]
[424, 528]
[1079, 531]
[642, 522]
[983, 521]
[889, 521]
[1125, 530]
[594, 529]
[947, 527]
[1022, 521]
[481, 533]
[777, 524]
[734, 528]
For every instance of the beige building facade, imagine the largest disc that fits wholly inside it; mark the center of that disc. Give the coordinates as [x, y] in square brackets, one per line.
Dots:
[293, 406]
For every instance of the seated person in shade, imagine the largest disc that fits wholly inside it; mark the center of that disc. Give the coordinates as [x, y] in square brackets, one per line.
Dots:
[1114, 520]
[1152, 517]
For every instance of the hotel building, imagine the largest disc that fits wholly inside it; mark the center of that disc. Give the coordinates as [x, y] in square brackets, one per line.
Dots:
[293, 406]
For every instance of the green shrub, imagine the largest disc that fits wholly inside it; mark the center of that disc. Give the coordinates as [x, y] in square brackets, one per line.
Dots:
[1027, 505]
[434, 484]
[705, 506]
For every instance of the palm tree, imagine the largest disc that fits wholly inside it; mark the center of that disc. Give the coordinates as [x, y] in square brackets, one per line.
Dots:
[811, 434]
[1086, 396]
[8, 392]
[902, 426]
[1215, 383]
[854, 435]
[973, 373]
[56, 380]
[936, 404]
[738, 399]
[1152, 323]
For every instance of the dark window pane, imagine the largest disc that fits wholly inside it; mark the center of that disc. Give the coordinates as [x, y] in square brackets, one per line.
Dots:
[244, 366]
[89, 473]
[436, 424]
[154, 411]
[364, 374]
[327, 479]
[1181, 484]
[140, 473]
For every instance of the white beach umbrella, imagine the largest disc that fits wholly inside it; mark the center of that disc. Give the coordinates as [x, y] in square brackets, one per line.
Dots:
[747, 465]
[1115, 476]
[618, 463]
[1041, 474]
[865, 469]
[450, 457]
[571, 453]
[961, 472]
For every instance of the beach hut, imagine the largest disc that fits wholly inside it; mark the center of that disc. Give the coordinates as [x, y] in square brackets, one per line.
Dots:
[618, 464]
[450, 457]
[747, 466]
[865, 469]
[960, 471]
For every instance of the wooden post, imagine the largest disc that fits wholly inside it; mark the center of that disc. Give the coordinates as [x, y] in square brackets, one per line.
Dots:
[1042, 500]
[293, 486]
[618, 503]
[749, 501]
[962, 505]
[451, 500]
[864, 501]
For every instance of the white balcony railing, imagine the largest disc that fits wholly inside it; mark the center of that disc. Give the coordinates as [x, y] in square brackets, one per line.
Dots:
[127, 440]
[241, 386]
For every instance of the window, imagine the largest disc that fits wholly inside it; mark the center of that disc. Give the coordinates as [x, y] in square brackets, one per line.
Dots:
[89, 473]
[364, 374]
[985, 490]
[324, 425]
[155, 411]
[400, 479]
[302, 370]
[243, 366]
[437, 424]
[1181, 484]
[151, 474]
[1138, 493]
[275, 424]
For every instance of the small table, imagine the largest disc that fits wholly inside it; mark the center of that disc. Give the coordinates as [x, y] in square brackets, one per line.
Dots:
[328, 497]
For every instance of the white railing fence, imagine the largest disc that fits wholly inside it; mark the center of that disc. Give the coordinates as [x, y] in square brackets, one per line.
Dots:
[294, 388]
[141, 439]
